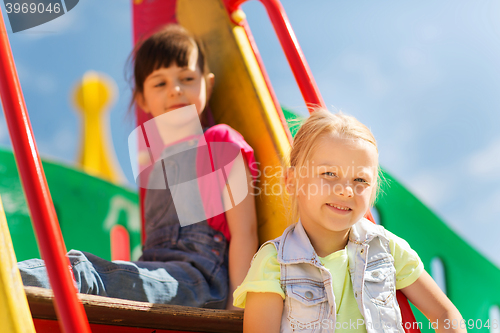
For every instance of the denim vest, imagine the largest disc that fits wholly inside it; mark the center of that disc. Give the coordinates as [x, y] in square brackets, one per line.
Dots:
[310, 302]
[197, 245]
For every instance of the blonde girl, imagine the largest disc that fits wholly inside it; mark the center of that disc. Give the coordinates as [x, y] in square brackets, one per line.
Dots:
[333, 269]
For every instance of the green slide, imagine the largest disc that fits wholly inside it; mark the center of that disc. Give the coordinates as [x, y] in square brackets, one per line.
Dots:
[87, 209]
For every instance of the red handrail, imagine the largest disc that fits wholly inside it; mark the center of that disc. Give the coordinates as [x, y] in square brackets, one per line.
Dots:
[311, 95]
[69, 310]
[291, 47]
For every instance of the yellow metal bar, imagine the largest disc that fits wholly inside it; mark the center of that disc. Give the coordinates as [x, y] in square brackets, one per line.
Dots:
[242, 100]
[15, 316]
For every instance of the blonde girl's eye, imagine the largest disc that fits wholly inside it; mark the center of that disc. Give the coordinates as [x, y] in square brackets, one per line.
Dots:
[361, 180]
[329, 174]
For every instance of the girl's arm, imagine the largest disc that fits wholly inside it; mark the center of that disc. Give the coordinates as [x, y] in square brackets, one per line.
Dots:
[434, 304]
[242, 222]
[263, 313]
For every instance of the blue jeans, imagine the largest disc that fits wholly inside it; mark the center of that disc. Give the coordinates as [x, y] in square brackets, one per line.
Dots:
[190, 270]
[179, 265]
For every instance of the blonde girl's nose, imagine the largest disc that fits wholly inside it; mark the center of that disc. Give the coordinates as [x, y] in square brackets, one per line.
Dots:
[344, 189]
[349, 191]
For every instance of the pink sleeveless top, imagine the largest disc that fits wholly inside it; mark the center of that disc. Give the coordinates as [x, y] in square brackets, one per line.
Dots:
[224, 145]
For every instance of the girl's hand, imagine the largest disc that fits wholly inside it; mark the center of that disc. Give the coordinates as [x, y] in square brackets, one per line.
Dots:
[242, 222]
[434, 304]
[263, 313]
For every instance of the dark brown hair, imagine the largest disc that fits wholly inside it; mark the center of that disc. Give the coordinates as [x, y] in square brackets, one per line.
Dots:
[172, 44]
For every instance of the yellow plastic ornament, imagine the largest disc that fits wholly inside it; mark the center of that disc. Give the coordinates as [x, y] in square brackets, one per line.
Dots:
[93, 97]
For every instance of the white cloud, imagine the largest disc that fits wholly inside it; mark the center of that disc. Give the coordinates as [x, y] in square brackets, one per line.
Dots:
[22, 70]
[476, 222]
[36, 79]
[71, 21]
[4, 133]
[466, 194]
[429, 186]
[122, 14]
[64, 140]
[368, 71]
[45, 83]
[395, 143]
[468, 211]
[411, 57]
[62, 145]
[489, 208]
[430, 33]
[486, 162]
[421, 71]
[471, 180]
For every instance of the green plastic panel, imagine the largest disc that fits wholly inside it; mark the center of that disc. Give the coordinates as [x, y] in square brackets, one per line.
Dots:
[472, 282]
[87, 209]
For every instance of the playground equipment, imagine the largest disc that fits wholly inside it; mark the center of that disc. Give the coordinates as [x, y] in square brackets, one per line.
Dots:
[93, 97]
[14, 311]
[243, 98]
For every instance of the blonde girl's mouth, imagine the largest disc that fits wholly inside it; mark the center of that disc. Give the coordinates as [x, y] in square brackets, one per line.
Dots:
[339, 207]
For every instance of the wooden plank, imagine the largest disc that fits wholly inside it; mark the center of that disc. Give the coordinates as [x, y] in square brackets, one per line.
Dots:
[52, 326]
[118, 312]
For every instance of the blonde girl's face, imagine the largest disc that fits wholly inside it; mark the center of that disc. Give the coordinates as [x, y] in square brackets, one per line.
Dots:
[168, 89]
[335, 185]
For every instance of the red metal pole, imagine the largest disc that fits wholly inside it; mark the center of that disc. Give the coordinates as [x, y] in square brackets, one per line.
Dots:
[291, 47]
[69, 310]
[294, 54]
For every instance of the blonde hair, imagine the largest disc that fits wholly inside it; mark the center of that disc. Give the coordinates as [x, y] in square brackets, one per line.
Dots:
[320, 123]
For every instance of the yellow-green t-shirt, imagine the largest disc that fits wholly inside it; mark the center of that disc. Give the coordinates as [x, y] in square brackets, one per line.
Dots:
[264, 276]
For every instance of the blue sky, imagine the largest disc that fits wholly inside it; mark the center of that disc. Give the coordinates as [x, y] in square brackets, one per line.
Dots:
[423, 75]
